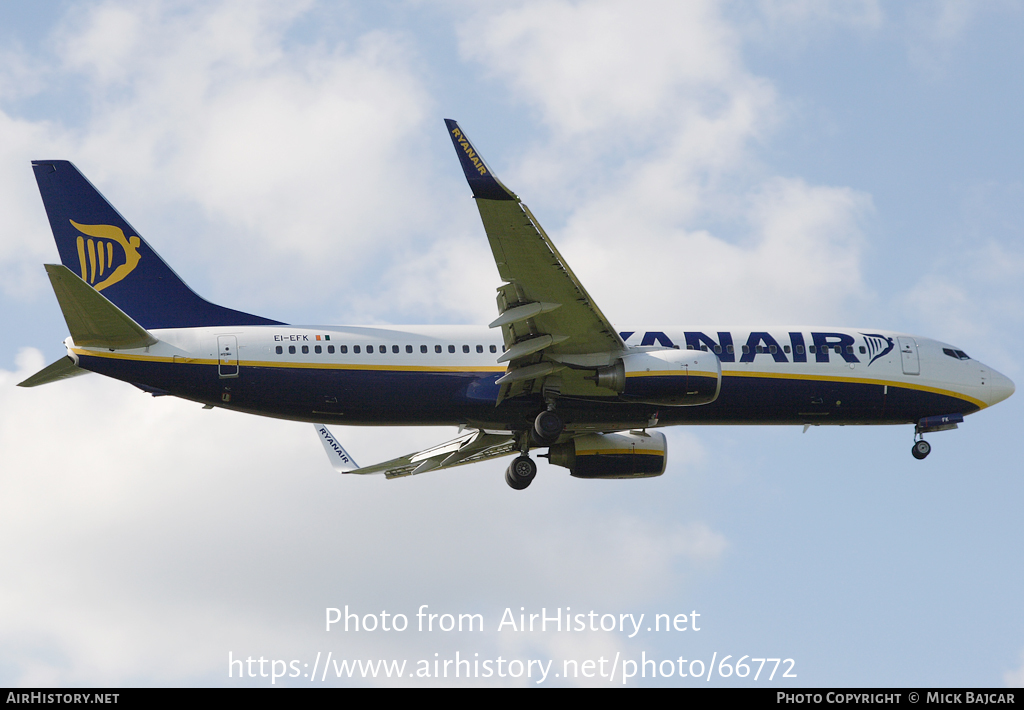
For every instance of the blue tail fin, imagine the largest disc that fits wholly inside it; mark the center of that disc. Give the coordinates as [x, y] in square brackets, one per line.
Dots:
[99, 245]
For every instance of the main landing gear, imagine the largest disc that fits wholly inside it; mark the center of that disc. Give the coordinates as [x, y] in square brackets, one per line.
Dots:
[547, 427]
[921, 449]
[520, 473]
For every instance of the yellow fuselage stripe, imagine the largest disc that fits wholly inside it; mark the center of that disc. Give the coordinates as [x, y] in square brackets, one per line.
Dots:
[298, 365]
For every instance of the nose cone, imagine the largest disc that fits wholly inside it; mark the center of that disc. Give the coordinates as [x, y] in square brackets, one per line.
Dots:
[999, 387]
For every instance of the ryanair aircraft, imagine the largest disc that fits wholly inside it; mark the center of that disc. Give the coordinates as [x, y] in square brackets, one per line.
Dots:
[549, 372]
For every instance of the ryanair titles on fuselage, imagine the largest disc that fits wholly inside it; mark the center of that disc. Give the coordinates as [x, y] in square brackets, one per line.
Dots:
[822, 346]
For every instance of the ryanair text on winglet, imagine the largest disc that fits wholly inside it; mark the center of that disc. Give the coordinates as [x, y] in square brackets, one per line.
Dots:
[470, 153]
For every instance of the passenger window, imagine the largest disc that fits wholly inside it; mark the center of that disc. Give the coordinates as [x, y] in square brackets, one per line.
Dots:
[355, 349]
[785, 348]
[849, 350]
[730, 349]
[423, 348]
[437, 348]
[479, 348]
[305, 349]
[812, 349]
[760, 348]
[863, 350]
[718, 349]
[291, 349]
[800, 349]
[369, 348]
[343, 349]
[494, 349]
[317, 349]
[451, 348]
[704, 348]
[839, 350]
[689, 347]
[408, 348]
[746, 349]
[773, 349]
[465, 348]
[330, 349]
[279, 349]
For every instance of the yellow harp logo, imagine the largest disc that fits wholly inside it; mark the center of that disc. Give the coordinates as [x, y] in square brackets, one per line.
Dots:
[96, 254]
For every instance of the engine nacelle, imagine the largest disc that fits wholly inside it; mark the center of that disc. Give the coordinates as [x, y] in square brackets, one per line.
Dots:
[620, 455]
[665, 377]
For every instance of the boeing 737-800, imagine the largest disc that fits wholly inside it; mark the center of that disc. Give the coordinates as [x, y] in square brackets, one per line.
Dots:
[549, 372]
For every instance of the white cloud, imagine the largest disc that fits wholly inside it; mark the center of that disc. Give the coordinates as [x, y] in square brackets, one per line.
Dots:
[937, 33]
[788, 28]
[300, 156]
[25, 240]
[660, 93]
[970, 293]
[307, 159]
[594, 66]
[1015, 678]
[803, 239]
[147, 537]
[811, 14]
[945, 21]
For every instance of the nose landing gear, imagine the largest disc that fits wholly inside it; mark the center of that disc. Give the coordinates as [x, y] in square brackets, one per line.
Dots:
[921, 449]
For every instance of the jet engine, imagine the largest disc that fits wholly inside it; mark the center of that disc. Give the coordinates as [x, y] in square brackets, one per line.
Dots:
[636, 454]
[665, 377]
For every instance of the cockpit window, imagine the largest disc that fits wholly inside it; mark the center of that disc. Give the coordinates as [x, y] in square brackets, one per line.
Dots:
[958, 354]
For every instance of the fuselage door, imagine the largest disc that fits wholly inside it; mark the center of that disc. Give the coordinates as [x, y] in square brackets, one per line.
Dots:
[908, 352]
[227, 356]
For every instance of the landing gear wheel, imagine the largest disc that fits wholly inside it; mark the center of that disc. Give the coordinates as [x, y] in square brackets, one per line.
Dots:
[520, 472]
[921, 449]
[547, 427]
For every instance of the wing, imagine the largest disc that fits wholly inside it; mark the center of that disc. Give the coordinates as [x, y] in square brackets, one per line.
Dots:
[470, 447]
[548, 319]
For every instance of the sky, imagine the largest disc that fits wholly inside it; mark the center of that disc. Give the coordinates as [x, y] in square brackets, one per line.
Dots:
[852, 164]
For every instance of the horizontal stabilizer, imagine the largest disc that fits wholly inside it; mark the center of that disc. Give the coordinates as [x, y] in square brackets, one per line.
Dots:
[93, 321]
[61, 370]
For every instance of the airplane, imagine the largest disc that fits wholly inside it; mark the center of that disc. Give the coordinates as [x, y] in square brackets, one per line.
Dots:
[549, 372]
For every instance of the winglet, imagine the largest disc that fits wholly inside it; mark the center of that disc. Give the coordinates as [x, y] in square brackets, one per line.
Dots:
[340, 460]
[482, 181]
